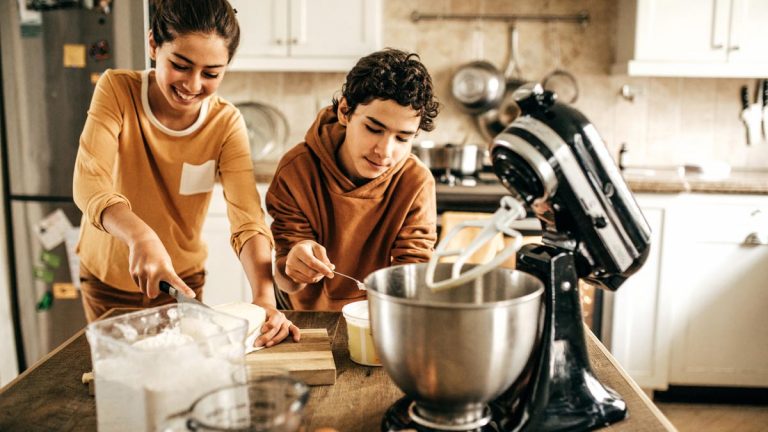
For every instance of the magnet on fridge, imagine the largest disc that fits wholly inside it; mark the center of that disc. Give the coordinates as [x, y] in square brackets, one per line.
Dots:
[64, 290]
[45, 302]
[50, 259]
[43, 274]
[74, 56]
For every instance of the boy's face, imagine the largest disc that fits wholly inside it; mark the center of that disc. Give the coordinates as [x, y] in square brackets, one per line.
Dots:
[379, 135]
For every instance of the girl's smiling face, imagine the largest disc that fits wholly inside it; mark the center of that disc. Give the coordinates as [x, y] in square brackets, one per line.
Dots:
[188, 69]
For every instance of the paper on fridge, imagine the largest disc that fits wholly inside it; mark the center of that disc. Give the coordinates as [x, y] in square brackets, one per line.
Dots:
[52, 230]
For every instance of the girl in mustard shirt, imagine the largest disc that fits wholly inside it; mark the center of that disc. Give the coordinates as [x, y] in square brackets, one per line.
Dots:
[152, 146]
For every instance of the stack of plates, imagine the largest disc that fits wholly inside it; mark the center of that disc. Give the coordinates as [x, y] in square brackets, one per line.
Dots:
[267, 130]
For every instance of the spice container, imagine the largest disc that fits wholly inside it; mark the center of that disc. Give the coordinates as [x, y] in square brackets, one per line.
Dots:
[360, 338]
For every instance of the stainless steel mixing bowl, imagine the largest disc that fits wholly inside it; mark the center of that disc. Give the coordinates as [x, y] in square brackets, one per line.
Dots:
[453, 351]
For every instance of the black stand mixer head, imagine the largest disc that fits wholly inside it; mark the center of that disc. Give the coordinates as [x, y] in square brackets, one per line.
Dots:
[553, 159]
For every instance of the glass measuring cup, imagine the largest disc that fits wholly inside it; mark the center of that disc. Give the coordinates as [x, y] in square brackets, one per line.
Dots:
[272, 403]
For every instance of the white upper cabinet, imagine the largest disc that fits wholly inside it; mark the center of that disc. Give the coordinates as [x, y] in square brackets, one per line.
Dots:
[306, 35]
[692, 38]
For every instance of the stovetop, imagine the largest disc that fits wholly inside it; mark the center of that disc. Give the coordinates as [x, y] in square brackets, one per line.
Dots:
[474, 187]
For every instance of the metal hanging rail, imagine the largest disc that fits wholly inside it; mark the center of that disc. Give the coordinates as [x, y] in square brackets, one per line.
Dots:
[580, 18]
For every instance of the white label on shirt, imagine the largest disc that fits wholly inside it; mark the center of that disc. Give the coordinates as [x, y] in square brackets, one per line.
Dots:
[197, 179]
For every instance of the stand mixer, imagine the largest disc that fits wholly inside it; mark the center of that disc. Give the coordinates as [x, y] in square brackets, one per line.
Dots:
[553, 161]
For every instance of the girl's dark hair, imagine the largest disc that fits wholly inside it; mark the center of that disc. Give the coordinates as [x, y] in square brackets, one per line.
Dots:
[391, 74]
[178, 17]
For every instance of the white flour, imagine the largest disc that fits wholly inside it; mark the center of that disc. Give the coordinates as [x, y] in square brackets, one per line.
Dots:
[164, 375]
[168, 339]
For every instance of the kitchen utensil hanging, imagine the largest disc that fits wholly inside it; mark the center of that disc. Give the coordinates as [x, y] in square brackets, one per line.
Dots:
[493, 121]
[559, 80]
[752, 113]
[267, 130]
[764, 94]
[478, 85]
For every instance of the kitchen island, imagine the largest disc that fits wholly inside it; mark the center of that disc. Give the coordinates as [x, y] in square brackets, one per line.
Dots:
[51, 396]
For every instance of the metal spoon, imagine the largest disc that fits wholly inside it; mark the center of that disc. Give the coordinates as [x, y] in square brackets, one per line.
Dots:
[360, 285]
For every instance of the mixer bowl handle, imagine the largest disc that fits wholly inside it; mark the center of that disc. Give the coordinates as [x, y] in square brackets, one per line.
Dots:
[509, 211]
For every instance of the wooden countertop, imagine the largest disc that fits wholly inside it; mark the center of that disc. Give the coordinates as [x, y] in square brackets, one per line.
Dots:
[50, 395]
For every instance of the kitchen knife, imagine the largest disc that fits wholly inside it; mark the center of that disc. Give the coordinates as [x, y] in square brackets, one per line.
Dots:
[752, 116]
[179, 296]
[764, 91]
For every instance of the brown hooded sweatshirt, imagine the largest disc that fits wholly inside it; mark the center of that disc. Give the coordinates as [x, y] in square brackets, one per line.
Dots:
[389, 220]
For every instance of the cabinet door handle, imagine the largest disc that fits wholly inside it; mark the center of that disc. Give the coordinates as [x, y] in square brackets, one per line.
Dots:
[720, 13]
[753, 239]
[294, 41]
[278, 41]
[733, 48]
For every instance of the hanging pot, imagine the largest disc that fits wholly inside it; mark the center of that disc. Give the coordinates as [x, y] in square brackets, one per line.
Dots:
[457, 159]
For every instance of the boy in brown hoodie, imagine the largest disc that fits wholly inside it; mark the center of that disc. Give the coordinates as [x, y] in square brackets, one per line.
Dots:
[352, 197]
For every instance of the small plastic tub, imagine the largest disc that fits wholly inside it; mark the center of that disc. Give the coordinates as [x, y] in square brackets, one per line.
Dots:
[361, 348]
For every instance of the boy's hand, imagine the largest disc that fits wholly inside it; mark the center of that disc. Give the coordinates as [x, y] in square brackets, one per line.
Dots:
[307, 263]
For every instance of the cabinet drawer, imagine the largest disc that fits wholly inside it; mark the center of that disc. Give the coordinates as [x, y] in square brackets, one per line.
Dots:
[727, 223]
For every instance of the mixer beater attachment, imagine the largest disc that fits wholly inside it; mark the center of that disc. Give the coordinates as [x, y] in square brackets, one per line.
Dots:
[509, 211]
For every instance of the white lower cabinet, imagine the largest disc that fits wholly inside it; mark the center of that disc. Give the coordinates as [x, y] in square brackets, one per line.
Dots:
[694, 315]
[635, 339]
[225, 279]
[718, 280]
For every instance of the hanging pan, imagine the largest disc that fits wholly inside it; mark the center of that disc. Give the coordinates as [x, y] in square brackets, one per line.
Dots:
[478, 85]
[560, 81]
[493, 121]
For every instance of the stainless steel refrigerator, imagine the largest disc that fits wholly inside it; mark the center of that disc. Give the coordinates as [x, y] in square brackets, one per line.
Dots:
[52, 55]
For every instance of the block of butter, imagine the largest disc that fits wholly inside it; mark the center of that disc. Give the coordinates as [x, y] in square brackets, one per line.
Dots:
[255, 315]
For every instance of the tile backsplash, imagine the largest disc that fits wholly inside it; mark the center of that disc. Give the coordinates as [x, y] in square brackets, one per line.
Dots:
[670, 121]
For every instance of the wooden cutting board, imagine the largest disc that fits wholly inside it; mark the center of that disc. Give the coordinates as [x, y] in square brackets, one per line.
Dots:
[309, 360]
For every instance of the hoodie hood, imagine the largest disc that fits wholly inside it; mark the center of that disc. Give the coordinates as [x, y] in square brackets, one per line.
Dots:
[324, 138]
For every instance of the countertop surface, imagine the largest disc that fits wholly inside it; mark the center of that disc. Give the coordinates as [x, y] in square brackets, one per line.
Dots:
[50, 395]
[639, 180]
[675, 180]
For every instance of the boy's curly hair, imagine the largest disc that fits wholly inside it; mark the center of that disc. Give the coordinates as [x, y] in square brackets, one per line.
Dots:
[392, 74]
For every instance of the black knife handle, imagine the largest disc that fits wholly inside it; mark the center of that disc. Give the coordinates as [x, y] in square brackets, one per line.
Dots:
[744, 98]
[764, 86]
[166, 288]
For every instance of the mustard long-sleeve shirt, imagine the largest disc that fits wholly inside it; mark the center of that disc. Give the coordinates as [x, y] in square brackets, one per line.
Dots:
[127, 156]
